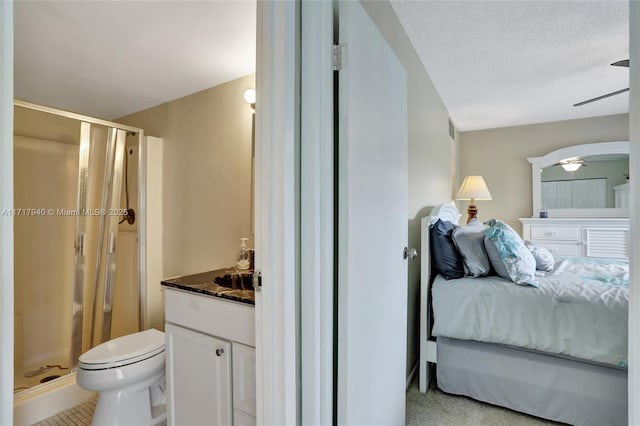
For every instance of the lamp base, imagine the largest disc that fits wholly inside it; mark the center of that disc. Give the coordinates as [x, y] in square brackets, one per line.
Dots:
[472, 212]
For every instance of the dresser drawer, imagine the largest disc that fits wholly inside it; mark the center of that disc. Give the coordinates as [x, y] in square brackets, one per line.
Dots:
[563, 233]
[560, 249]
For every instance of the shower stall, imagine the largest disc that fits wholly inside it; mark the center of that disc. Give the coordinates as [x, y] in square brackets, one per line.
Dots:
[78, 280]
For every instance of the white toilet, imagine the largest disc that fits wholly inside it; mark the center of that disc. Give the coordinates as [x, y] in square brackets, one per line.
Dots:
[129, 375]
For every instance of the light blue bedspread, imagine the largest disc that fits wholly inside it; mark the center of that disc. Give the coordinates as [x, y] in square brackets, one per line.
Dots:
[580, 309]
[606, 271]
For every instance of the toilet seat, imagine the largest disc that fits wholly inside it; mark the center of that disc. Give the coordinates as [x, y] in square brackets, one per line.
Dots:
[123, 351]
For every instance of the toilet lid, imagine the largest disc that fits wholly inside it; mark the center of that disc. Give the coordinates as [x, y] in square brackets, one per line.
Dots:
[123, 350]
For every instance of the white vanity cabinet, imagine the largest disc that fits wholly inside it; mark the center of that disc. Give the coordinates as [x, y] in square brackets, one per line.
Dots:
[584, 237]
[210, 360]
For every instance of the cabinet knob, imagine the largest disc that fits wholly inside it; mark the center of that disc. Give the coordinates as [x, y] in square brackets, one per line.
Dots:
[219, 352]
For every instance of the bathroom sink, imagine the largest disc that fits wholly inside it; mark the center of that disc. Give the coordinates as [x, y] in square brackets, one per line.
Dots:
[236, 280]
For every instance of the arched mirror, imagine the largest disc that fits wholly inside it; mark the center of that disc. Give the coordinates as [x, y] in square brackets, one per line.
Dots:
[590, 180]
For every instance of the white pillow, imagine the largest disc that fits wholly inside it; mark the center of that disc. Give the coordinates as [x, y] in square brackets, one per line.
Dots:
[544, 258]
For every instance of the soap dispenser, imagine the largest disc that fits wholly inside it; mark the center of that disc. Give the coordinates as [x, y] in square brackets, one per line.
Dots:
[243, 257]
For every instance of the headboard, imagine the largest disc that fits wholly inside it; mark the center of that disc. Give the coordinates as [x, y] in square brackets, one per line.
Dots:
[446, 212]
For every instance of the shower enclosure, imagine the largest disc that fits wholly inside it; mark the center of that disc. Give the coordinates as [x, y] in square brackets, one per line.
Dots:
[77, 277]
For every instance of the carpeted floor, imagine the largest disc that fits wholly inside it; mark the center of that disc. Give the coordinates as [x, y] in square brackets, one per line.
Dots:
[440, 409]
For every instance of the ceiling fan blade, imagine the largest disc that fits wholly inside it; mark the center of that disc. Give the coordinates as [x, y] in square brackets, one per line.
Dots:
[617, 92]
[581, 162]
[622, 63]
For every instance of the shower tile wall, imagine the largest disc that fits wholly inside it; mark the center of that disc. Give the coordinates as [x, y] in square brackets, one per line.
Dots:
[45, 176]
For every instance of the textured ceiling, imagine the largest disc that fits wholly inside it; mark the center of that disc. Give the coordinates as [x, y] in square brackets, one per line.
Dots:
[111, 58]
[505, 63]
[494, 63]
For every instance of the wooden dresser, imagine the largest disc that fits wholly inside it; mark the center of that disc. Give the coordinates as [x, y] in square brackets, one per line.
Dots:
[584, 237]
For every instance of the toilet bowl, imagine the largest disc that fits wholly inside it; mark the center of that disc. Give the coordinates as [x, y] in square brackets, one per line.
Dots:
[129, 375]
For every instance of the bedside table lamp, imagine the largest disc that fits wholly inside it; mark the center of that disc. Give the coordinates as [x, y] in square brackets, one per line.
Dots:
[473, 188]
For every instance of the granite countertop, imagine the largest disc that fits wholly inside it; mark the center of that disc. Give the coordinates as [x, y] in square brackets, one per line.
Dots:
[228, 283]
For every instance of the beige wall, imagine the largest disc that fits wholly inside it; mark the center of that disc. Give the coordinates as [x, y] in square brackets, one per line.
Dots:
[207, 175]
[500, 156]
[432, 153]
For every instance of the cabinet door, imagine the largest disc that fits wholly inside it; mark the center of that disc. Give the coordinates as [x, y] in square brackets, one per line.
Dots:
[606, 242]
[244, 378]
[198, 378]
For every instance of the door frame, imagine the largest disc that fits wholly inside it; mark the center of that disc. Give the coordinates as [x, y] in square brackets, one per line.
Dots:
[6, 222]
[277, 212]
[317, 213]
[634, 210]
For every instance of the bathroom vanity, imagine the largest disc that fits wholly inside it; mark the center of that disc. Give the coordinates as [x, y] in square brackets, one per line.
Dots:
[210, 349]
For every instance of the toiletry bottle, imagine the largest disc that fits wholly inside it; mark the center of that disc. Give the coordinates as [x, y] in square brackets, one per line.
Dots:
[544, 213]
[243, 257]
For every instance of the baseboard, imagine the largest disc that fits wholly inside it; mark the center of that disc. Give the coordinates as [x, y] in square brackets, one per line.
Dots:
[412, 373]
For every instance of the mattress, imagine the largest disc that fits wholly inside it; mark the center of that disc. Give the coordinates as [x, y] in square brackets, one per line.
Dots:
[580, 310]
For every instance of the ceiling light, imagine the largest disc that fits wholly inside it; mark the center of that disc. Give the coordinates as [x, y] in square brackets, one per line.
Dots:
[571, 166]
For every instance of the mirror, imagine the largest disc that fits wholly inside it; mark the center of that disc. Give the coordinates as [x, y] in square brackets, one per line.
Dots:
[590, 180]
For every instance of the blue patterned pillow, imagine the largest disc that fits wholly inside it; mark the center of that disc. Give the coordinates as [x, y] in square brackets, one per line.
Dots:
[508, 255]
[544, 258]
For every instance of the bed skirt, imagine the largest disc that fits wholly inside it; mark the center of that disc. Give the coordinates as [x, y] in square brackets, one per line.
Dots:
[546, 386]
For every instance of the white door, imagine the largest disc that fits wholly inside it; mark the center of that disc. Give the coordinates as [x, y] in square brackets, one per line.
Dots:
[372, 225]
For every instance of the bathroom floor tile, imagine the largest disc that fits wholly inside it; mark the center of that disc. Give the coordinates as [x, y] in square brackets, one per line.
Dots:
[79, 415]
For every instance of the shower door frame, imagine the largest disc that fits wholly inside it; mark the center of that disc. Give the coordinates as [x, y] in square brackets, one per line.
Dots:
[78, 302]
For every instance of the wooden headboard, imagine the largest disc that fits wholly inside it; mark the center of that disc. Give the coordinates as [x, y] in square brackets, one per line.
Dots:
[446, 212]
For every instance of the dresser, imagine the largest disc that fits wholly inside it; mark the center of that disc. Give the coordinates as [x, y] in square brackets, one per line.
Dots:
[584, 237]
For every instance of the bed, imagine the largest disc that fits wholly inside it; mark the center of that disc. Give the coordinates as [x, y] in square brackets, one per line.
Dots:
[555, 347]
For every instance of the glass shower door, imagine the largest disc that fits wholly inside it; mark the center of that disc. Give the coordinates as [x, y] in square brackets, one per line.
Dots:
[70, 195]
[99, 189]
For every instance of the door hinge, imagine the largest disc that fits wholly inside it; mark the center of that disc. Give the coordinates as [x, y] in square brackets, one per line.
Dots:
[257, 281]
[338, 52]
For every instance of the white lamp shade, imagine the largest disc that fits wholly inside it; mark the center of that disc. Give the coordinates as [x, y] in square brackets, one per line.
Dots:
[473, 188]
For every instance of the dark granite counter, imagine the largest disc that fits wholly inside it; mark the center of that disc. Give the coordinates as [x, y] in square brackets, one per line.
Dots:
[226, 283]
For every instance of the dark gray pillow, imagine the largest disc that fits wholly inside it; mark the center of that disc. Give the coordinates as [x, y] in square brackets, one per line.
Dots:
[470, 243]
[446, 259]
